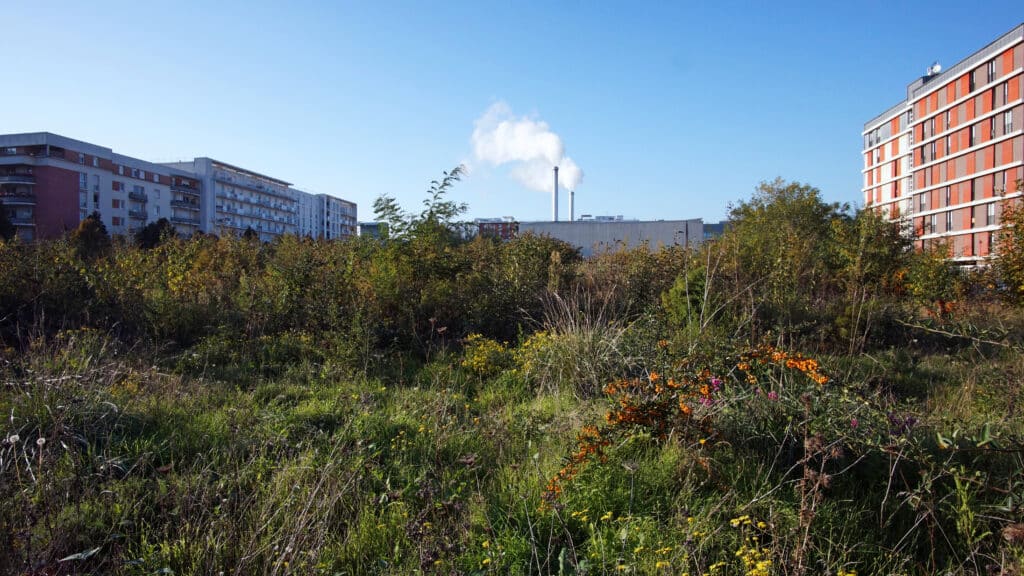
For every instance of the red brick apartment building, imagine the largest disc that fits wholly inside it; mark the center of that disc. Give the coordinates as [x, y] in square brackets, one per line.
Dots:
[945, 159]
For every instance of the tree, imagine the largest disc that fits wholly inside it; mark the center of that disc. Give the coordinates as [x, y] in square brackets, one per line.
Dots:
[387, 212]
[439, 215]
[7, 229]
[155, 233]
[91, 239]
[780, 252]
[1009, 261]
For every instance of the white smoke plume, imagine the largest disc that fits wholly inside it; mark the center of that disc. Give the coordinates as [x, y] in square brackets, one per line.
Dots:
[527, 145]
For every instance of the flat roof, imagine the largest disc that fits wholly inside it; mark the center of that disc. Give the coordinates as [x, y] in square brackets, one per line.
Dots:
[244, 170]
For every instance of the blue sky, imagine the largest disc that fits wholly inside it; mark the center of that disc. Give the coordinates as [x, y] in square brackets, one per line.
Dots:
[671, 109]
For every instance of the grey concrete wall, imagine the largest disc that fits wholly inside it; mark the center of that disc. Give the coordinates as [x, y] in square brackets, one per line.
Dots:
[593, 236]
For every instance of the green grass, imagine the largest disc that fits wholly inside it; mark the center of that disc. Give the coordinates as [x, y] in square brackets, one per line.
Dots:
[443, 471]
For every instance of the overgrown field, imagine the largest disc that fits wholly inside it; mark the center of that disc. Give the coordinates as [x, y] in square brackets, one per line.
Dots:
[802, 396]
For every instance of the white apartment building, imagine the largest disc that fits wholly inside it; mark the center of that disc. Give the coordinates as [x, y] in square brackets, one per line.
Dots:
[324, 216]
[50, 183]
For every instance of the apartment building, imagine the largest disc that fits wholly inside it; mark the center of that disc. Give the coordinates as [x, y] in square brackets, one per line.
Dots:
[242, 199]
[50, 183]
[504, 228]
[945, 159]
[324, 216]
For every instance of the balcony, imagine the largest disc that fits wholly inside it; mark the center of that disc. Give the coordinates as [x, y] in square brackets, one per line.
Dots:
[138, 196]
[22, 220]
[44, 153]
[185, 220]
[138, 214]
[185, 189]
[18, 199]
[17, 179]
[185, 204]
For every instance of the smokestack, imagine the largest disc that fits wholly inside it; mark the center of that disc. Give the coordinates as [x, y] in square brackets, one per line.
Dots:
[572, 205]
[554, 199]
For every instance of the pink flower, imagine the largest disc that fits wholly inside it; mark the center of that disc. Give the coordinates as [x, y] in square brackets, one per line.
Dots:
[716, 384]
[773, 395]
[853, 423]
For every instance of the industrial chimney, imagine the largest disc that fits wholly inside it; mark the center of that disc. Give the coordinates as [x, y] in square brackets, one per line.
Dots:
[554, 199]
[572, 205]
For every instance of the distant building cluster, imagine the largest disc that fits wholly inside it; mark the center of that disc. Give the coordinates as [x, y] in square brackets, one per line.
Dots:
[50, 183]
[943, 159]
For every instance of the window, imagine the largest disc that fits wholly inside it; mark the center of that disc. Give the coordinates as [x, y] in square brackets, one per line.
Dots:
[83, 181]
[931, 151]
[972, 190]
[974, 135]
[157, 192]
[990, 214]
[970, 82]
[931, 126]
[138, 189]
[156, 178]
[81, 158]
[922, 154]
[933, 223]
[991, 127]
[116, 221]
[947, 119]
[95, 162]
[949, 220]
[1008, 122]
[115, 203]
[924, 201]
[120, 170]
[142, 174]
[96, 182]
[991, 71]
[949, 149]
[948, 196]
[1006, 92]
[158, 209]
[135, 172]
